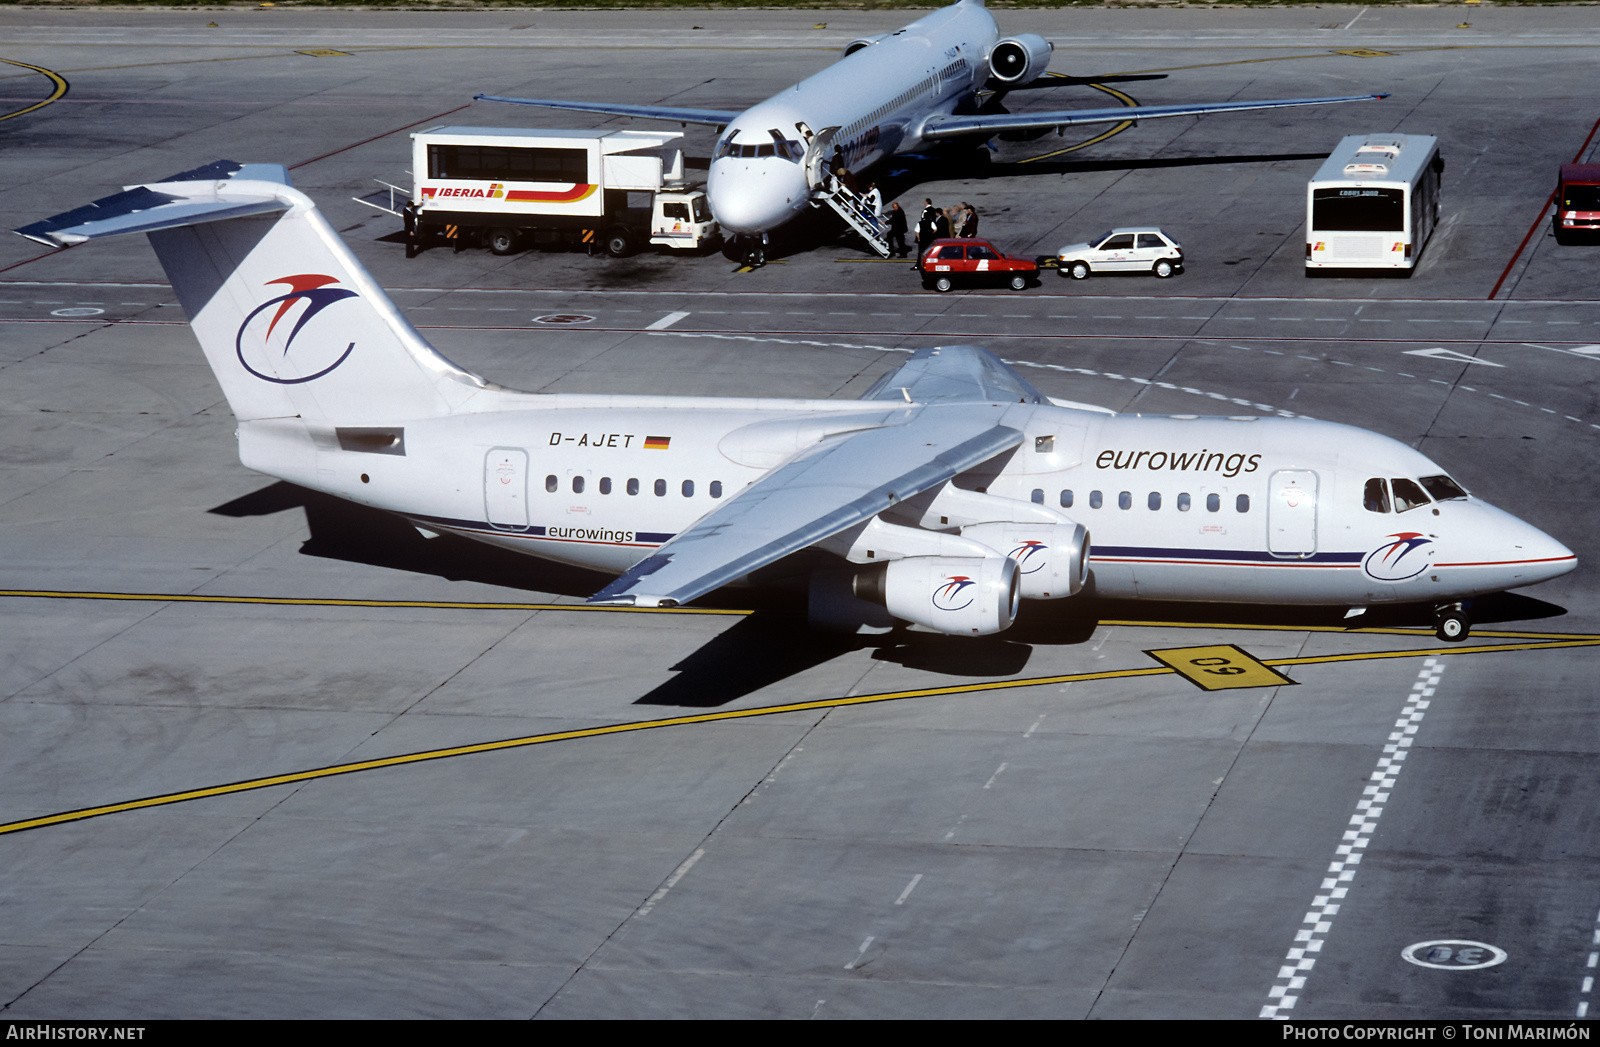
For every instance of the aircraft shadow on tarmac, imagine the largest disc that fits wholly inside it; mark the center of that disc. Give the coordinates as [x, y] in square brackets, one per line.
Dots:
[774, 643]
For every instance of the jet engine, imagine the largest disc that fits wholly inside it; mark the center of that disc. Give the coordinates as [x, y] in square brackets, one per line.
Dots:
[960, 596]
[865, 41]
[1019, 60]
[1052, 559]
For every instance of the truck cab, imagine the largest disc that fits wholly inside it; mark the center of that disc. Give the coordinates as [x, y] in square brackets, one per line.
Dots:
[1577, 203]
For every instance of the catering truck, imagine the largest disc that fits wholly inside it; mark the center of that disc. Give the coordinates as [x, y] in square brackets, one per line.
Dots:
[507, 188]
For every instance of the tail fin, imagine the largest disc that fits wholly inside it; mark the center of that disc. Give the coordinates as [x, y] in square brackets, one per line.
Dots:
[292, 324]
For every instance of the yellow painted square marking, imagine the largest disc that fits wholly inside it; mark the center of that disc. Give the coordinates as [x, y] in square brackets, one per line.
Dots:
[1219, 668]
[323, 52]
[1365, 52]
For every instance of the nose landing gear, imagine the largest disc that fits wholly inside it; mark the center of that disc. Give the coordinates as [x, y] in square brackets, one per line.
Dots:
[1451, 622]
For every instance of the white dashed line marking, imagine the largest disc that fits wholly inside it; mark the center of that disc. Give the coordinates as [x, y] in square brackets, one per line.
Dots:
[909, 888]
[672, 881]
[1308, 941]
[666, 321]
[860, 953]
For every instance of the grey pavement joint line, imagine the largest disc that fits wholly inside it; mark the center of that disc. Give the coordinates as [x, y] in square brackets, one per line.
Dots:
[1308, 941]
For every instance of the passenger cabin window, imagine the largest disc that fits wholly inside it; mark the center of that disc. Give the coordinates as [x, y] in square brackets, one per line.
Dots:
[633, 485]
[1407, 495]
[1154, 501]
[1375, 496]
[577, 485]
[1183, 502]
[1038, 496]
[1242, 503]
[1094, 499]
[1066, 499]
[661, 488]
[688, 488]
[605, 485]
[1125, 500]
[551, 483]
[1213, 503]
[716, 488]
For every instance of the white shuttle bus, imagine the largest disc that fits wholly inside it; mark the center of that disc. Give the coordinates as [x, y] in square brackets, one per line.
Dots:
[1373, 203]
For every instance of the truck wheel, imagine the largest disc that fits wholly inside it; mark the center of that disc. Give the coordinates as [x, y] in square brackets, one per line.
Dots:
[504, 241]
[619, 243]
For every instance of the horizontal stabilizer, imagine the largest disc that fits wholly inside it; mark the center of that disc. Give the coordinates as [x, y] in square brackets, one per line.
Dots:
[144, 208]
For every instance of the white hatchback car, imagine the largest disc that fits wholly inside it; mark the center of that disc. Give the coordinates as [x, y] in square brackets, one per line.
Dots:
[1122, 251]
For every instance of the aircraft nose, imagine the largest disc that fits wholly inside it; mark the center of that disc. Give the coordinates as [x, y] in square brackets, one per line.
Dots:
[1541, 557]
[754, 196]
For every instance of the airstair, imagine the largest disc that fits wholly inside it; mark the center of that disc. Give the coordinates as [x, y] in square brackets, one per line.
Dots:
[857, 213]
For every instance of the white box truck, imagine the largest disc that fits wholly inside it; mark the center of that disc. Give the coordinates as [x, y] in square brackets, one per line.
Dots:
[507, 188]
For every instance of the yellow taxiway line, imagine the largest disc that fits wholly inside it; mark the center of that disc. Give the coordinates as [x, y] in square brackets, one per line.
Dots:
[58, 82]
[1527, 643]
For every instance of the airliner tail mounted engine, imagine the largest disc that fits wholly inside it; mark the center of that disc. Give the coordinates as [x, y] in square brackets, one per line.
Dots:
[1019, 60]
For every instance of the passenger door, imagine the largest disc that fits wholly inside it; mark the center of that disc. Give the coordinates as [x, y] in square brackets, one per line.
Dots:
[1292, 513]
[505, 488]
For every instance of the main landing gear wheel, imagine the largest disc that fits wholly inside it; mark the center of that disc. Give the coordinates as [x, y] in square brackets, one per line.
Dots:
[1450, 623]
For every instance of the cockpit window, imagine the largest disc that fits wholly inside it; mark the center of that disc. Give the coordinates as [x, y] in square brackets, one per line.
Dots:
[788, 150]
[1442, 487]
[1375, 497]
[1407, 495]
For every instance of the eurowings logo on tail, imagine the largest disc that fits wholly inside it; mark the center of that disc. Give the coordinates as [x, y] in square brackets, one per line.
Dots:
[948, 597]
[272, 354]
[1405, 555]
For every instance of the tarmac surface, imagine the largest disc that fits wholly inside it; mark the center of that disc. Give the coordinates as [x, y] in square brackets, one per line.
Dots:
[542, 811]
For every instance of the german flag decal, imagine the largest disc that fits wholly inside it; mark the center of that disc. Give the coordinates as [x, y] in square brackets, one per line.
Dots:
[656, 443]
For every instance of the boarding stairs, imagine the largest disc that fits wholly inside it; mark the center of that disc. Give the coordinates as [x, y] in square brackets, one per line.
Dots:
[857, 213]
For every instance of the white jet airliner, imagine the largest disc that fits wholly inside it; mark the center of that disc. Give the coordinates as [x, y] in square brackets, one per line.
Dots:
[951, 489]
[898, 92]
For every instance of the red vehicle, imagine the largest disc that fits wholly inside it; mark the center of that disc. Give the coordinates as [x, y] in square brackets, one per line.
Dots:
[949, 262]
[1577, 202]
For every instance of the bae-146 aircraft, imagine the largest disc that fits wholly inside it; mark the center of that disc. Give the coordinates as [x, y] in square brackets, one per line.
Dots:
[898, 92]
[949, 491]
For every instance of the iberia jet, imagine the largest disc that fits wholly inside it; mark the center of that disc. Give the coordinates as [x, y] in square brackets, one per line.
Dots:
[952, 489]
[898, 92]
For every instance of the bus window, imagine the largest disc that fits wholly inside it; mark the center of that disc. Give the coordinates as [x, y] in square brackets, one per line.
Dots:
[1358, 210]
[1375, 498]
[1442, 487]
[1407, 495]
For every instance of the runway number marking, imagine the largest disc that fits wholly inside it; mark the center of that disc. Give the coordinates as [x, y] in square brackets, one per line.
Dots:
[1220, 667]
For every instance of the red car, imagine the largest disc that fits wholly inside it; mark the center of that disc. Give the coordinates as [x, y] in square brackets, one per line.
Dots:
[949, 262]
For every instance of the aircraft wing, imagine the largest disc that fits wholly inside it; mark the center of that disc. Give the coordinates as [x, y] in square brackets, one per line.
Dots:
[939, 127]
[648, 112]
[841, 481]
